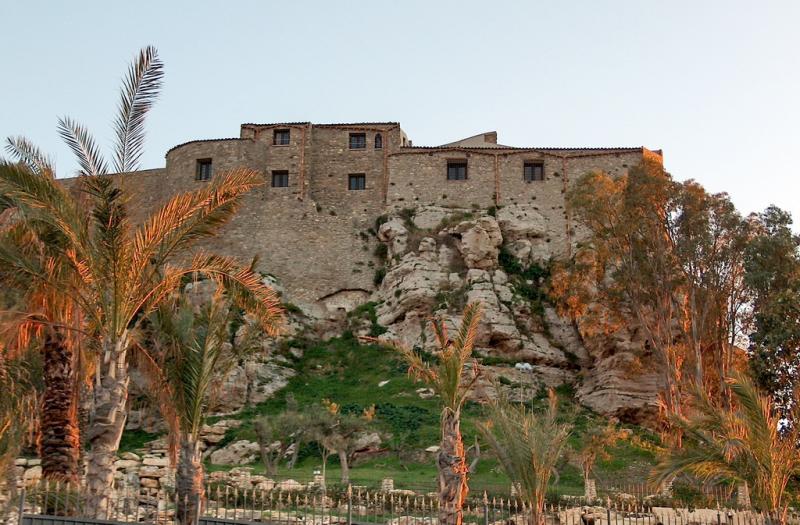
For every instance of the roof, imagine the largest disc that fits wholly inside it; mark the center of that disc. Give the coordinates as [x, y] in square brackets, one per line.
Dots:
[488, 140]
[272, 124]
[528, 148]
[202, 140]
[256, 125]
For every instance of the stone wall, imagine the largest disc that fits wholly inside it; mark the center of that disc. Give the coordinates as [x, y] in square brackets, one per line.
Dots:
[313, 234]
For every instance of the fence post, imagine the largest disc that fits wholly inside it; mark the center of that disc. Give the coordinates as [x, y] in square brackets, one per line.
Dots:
[349, 504]
[21, 503]
[485, 508]
[197, 512]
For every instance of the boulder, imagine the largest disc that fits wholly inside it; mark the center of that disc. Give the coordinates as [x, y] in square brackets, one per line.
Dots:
[394, 233]
[254, 381]
[237, 453]
[289, 485]
[480, 242]
[152, 461]
[32, 474]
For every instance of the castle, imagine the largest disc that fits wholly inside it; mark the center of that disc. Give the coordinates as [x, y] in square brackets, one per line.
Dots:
[326, 184]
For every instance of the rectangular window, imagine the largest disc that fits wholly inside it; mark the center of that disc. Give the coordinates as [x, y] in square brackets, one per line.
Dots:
[280, 179]
[532, 171]
[281, 137]
[457, 170]
[358, 141]
[203, 171]
[357, 181]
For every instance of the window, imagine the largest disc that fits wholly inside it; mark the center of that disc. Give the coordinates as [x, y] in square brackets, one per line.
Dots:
[378, 141]
[280, 179]
[203, 171]
[457, 170]
[358, 141]
[281, 137]
[532, 171]
[357, 181]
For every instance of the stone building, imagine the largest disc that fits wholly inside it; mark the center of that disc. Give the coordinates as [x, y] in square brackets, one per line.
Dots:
[326, 184]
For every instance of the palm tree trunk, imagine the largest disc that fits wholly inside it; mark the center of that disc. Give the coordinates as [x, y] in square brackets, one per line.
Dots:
[452, 467]
[345, 467]
[60, 441]
[111, 396]
[189, 481]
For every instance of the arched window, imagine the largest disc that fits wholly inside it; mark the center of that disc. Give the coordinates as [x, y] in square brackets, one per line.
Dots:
[378, 141]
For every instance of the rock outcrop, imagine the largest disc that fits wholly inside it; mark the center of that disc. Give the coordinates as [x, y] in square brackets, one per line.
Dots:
[440, 259]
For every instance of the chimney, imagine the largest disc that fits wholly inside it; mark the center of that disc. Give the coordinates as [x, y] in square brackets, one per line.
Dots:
[490, 137]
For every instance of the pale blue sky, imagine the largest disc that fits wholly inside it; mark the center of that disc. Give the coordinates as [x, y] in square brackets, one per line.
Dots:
[715, 84]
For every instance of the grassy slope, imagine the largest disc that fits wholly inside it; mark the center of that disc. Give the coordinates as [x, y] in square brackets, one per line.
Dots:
[348, 373]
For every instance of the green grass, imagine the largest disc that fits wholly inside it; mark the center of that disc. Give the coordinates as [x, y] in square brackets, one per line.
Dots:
[348, 373]
[133, 440]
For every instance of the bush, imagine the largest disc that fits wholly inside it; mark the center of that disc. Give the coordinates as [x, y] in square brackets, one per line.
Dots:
[380, 273]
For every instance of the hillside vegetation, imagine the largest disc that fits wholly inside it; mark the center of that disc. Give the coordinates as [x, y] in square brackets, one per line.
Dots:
[348, 373]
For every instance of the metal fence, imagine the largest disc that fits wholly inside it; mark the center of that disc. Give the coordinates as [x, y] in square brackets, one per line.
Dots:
[59, 504]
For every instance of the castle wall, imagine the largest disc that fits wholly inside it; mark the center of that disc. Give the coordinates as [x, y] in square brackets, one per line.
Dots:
[495, 178]
[312, 234]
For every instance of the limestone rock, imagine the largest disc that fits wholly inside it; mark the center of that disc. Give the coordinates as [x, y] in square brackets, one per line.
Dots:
[367, 440]
[521, 221]
[411, 285]
[430, 217]
[213, 434]
[155, 461]
[254, 381]
[32, 474]
[289, 485]
[394, 233]
[480, 242]
[524, 230]
[237, 453]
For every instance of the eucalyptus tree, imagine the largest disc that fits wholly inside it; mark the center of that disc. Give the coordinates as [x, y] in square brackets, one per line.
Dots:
[453, 385]
[708, 238]
[773, 276]
[624, 274]
[195, 344]
[121, 272]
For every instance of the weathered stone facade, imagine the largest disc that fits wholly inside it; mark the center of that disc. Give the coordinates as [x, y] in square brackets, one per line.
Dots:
[312, 234]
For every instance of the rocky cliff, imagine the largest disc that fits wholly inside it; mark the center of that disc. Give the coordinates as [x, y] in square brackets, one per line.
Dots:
[435, 260]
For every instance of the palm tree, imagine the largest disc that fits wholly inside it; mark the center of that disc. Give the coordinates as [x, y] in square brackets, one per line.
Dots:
[528, 445]
[194, 347]
[449, 381]
[120, 272]
[17, 415]
[40, 316]
[748, 443]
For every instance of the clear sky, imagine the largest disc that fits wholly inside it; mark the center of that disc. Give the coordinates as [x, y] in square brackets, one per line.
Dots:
[715, 84]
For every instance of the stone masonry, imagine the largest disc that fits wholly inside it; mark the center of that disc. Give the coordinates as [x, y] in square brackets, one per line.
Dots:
[313, 233]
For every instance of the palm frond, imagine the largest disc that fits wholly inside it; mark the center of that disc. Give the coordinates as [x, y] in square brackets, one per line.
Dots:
[40, 198]
[190, 217]
[82, 144]
[29, 154]
[742, 443]
[468, 331]
[243, 285]
[140, 90]
[527, 444]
